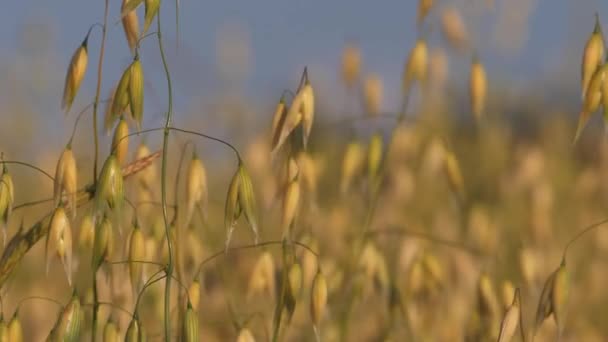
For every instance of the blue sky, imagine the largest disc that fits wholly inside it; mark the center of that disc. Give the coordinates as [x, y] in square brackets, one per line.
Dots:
[285, 35]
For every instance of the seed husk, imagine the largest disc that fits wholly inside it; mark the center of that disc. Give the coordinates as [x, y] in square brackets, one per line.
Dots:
[592, 56]
[351, 65]
[110, 332]
[130, 24]
[318, 300]
[194, 294]
[290, 206]
[373, 90]
[416, 66]
[102, 247]
[75, 75]
[278, 120]
[7, 199]
[232, 209]
[247, 200]
[508, 327]
[66, 179]
[120, 99]
[245, 335]
[352, 164]
[136, 90]
[262, 278]
[196, 189]
[152, 7]
[190, 327]
[478, 88]
[137, 252]
[110, 188]
[59, 242]
[120, 141]
[308, 110]
[15, 330]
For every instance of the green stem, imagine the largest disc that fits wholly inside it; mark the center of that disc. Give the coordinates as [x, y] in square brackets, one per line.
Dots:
[98, 91]
[170, 266]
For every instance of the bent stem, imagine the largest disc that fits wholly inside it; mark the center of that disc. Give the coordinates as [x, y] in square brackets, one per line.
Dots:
[169, 269]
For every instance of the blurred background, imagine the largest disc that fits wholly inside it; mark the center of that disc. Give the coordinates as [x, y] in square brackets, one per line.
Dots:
[528, 189]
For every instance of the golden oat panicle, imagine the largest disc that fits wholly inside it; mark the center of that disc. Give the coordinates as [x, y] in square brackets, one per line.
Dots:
[66, 179]
[190, 327]
[232, 209]
[130, 24]
[152, 7]
[137, 253]
[592, 55]
[351, 65]
[478, 88]
[308, 110]
[7, 199]
[75, 75]
[416, 66]
[196, 189]
[136, 91]
[15, 329]
[120, 141]
[278, 119]
[318, 301]
[120, 98]
[510, 321]
[110, 331]
[59, 242]
[247, 200]
[245, 335]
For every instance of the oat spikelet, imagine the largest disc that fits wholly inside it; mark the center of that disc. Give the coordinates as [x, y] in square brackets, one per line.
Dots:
[136, 91]
[245, 335]
[592, 56]
[508, 327]
[478, 85]
[318, 302]
[593, 98]
[130, 25]
[196, 189]
[190, 326]
[278, 120]
[15, 330]
[352, 164]
[373, 90]
[232, 209]
[75, 75]
[152, 7]
[110, 332]
[7, 199]
[59, 242]
[453, 28]
[553, 298]
[424, 6]
[416, 66]
[137, 252]
[194, 294]
[291, 203]
[66, 182]
[262, 278]
[308, 110]
[351, 65]
[120, 141]
[247, 200]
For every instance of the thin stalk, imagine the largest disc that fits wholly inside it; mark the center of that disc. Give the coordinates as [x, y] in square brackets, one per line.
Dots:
[169, 269]
[96, 155]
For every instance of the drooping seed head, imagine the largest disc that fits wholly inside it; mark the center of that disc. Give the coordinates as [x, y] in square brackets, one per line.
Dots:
[424, 6]
[194, 294]
[278, 120]
[68, 326]
[110, 188]
[351, 65]
[133, 332]
[137, 252]
[232, 209]
[559, 296]
[352, 164]
[86, 234]
[292, 119]
[593, 98]
[510, 321]
[592, 56]
[75, 75]
[196, 188]
[136, 89]
[308, 110]
[453, 28]
[545, 303]
[152, 7]
[245, 335]
[373, 90]
[478, 87]
[291, 202]
[294, 277]
[416, 66]
[453, 174]
[374, 160]
[103, 244]
[59, 242]
[318, 300]
[262, 278]
[110, 331]
[14, 329]
[130, 25]
[120, 99]
[7, 198]
[247, 200]
[120, 141]
[190, 326]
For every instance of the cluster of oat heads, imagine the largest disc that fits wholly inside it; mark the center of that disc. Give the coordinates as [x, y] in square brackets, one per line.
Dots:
[593, 75]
